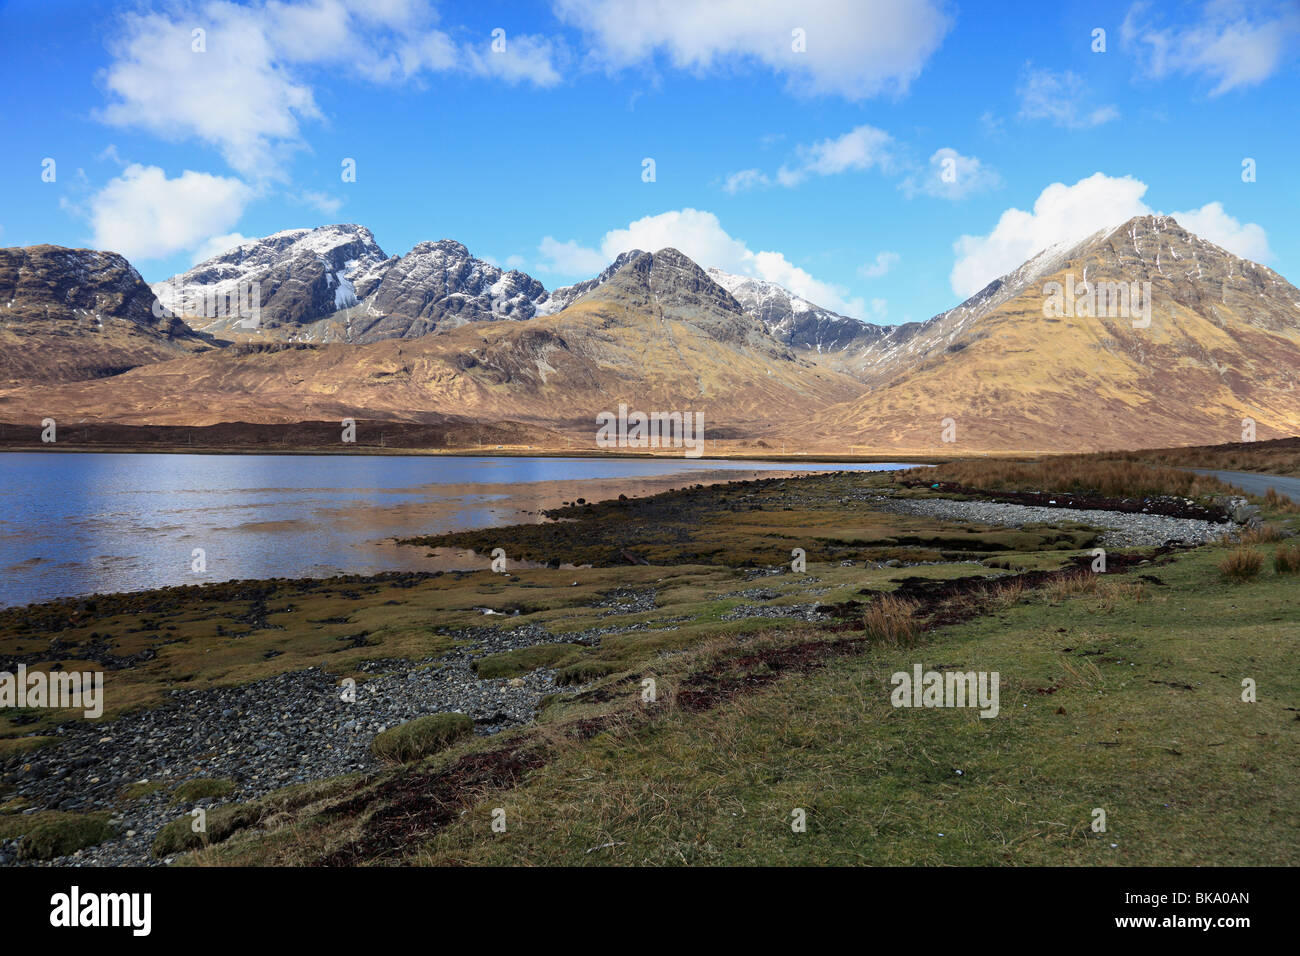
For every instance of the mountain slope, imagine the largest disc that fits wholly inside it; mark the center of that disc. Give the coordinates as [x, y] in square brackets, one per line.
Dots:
[68, 315]
[1223, 345]
[1020, 365]
[305, 276]
[438, 286]
[796, 321]
[659, 335]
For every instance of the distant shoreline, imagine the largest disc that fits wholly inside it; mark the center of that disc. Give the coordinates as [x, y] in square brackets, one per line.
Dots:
[379, 450]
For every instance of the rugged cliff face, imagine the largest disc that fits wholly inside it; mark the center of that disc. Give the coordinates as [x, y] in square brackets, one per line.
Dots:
[304, 276]
[796, 321]
[438, 286]
[72, 314]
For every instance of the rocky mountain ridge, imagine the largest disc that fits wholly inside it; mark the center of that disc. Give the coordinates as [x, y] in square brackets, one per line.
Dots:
[1056, 354]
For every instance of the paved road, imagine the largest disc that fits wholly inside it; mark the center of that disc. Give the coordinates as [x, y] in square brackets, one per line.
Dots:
[1257, 484]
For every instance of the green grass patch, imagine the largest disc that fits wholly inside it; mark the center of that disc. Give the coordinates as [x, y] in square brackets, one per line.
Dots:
[201, 787]
[524, 660]
[421, 737]
[50, 834]
[219, 823]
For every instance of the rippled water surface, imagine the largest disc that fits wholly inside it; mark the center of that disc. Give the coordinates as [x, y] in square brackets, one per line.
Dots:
[74, 524]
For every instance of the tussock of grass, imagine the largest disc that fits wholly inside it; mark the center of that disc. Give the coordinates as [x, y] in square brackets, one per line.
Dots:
[1274, 500]
[1262, 534]
[1070, 585]
[1117, 592]
[1286, 559]
[44, 836]
[522, 660]
[891, 621]
[1241, 565]
[140, 789]
[421, 737]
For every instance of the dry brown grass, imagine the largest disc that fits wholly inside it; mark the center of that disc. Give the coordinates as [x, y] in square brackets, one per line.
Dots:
[1274, 500]
[891, 621]
[1070, 585]
[1241, 565]
[1286, 559]
[1078, 474]
[1114, 593]
[1274, 457]
[1006, 594]
[1262, 534]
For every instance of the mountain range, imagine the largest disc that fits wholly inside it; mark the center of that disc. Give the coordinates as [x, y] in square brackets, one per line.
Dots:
[1200, 341]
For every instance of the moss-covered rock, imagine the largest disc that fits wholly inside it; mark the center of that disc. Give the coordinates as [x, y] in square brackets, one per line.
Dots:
[49, 835]
[219, 823]
[201, 787]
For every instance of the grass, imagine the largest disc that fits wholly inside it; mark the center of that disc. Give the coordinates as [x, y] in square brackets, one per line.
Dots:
[200, 788]
[1264, 533]
[1123, 695]
[1279, 456]
[1071, 585]
[49, 834]
[523, 660]
[1119, 690]
[421, 737]
[1241, 565]
[141, 789]
[1077, 474]
[1286, 559]
[892, 621]
[219, 823]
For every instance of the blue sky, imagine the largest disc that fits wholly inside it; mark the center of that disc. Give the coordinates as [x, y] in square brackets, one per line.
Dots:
[803, 142]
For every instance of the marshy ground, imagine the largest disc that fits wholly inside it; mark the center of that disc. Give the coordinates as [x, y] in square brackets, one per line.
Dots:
[673, 691]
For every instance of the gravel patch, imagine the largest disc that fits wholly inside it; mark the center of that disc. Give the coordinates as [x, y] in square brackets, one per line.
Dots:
[264, 735]
[1120, 529]
[805, 612]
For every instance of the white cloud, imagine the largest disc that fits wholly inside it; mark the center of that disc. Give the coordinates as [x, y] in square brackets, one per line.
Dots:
[857, 150]
[1211, 223]
[698, 234]
[144, 215]
[249, 93]
[854, 48]
[217, 245]
[884, 262]
[1060, 98]
[1064, 213]
[320, 201]
[1234, 44]
[992, 125]
[861, 148]
[570, 258]
[745, 179]
[950, 175]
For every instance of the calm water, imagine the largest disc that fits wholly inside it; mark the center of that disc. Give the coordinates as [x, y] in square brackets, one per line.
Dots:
[73, 524]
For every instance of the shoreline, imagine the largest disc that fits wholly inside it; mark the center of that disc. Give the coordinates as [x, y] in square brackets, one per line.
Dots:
[525, 505]
[908, 458]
